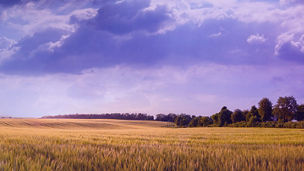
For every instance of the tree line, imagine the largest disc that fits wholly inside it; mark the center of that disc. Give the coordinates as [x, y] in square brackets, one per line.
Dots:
[285, 113]
[122, 116]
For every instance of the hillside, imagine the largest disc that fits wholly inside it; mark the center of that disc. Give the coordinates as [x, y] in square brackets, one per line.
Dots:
[81, 123]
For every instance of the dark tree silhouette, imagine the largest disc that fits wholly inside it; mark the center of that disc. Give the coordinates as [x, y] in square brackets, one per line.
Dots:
[205, 121]
[194, 122]
[265, 109]
[224, 117]
[285, 109]
[237, 116]
[215, 118]
[253, 112]
[167, 118]
[300, 113]
[253, 121]
[182, 120]
[245, 113]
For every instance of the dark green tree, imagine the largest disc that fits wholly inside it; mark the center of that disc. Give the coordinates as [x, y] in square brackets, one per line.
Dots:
[224, 117]
[253, 112]
[205, 121]
[253, 121]
[245, 113]
[265, 109]
[215, 118]
[237, 116]
[182, 120]
[285, 109]
[300, 113]
[194, 122]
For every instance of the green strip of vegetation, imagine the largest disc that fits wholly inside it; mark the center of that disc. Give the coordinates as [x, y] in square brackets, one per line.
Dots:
[286, 113]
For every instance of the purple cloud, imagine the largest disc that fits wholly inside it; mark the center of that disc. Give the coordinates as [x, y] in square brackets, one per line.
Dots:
[256, 38]
[127, 17]
[9, 2]
[290, 52]
[92, 47]
[288, 2]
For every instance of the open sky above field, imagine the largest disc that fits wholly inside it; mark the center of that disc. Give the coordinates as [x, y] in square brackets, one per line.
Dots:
[151, 56]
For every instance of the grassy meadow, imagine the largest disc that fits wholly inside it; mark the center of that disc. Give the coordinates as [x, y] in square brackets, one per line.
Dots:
[54, 144]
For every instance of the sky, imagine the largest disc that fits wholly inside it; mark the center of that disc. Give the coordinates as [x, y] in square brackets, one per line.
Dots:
[149, 56]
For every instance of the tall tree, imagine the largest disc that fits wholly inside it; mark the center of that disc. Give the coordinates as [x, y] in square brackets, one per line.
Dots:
[182, 120]
[300, 113]
[215, 118]
[194, 122]
[245, 114]
[253, 113]
[205, 121]
[224, 117]
[237, 116]
[285, 109]
[265, 109]
[253, 121]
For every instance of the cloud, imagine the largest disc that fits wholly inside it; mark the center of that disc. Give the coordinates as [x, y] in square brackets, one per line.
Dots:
[147, 34]
[299, 43]
[128, 16]
[256, 38]
[33, 17]
[292, 35]
[215, 35]
[286, 2]
[56, 50]
[7, 48]
[292, 52]
[6, 43]
[56, 45]
[9, 2]
[290, 47]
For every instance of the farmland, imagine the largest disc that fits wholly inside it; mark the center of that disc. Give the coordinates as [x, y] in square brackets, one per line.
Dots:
[66, 144]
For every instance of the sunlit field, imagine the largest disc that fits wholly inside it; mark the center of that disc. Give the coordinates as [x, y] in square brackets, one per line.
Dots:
[36, 144]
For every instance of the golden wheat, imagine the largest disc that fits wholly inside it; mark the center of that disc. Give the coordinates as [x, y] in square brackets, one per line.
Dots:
[37, 144]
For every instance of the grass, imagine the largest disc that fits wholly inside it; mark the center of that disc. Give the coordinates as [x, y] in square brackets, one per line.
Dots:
[38, 144]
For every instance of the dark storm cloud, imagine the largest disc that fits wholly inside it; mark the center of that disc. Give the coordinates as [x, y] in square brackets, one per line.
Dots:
[33, 54]
[289, 52]
[9, 2]
[94, 47]
[125, 33]
[126, 17]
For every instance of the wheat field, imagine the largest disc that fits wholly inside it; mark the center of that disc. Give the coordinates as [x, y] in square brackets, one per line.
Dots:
[41, 144]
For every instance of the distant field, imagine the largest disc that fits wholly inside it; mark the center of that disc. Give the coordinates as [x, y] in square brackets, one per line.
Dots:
[81, 123]
[54, 144]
